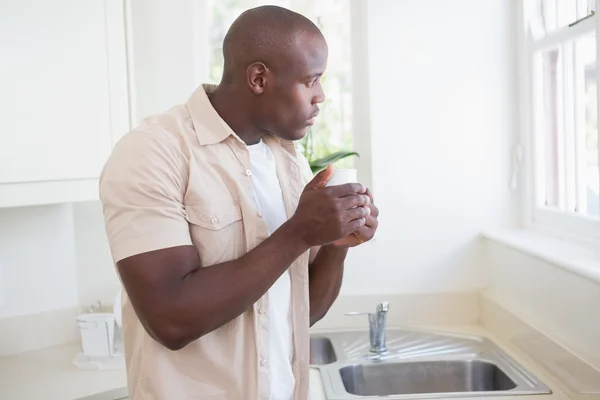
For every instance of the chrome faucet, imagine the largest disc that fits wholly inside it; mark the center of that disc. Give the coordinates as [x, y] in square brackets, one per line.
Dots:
[377, 324]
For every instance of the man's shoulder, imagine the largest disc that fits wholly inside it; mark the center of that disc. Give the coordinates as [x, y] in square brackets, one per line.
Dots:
[175, 119]
[159, 142]
[170, 129]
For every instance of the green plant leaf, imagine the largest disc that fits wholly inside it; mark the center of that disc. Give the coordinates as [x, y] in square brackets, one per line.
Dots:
[321, 163]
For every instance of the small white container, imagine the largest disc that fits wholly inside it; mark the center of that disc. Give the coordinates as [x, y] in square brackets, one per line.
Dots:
[97, 334]
[343, 176]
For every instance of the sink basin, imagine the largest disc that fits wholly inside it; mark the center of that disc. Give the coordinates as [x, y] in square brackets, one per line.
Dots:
[417, 364]
[424, 377]
[321, 351]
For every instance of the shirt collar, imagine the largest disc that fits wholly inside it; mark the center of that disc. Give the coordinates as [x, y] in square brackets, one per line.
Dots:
[208, 124]
[210, 127]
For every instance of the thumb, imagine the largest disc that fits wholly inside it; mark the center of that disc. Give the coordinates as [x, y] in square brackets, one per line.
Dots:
[321, 178]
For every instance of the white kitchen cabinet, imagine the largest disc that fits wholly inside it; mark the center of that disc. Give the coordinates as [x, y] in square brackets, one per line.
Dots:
[64, 97]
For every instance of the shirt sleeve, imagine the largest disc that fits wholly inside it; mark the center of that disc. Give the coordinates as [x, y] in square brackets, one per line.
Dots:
[141, 190]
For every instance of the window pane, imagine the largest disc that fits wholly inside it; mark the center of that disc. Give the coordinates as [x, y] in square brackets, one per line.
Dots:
[221, 14]
[586, 100]
[565, 103]
[591, 6]
[549, 117]
[333, 128]
[546, 16]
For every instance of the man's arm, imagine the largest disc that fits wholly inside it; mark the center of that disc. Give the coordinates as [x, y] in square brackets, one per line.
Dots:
[177, 301]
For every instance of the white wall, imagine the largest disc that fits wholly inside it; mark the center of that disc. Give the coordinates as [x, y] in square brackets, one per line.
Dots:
[96, 276]
[165, 52]
[37, 259]
[54, 257]
[442, 85]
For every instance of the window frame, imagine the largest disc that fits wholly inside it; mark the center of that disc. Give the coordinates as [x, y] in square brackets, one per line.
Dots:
[361, 122]
[568, 225]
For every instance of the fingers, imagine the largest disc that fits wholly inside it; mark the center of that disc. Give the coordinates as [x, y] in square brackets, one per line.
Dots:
[367, 231]
[368, 193]
[374, 210]
[364, 234]
[371, 221]
[346, 189]
[320, 179]
[354, 200]
[358, 212]
[356, 224]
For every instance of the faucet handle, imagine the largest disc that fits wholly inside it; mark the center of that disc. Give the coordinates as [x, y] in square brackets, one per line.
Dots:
[384, 306]
[353, 313]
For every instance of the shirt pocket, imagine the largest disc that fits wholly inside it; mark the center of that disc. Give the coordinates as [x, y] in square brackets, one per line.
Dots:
[216, 230]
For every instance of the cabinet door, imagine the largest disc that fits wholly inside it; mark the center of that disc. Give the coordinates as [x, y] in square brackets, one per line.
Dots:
[63, 80]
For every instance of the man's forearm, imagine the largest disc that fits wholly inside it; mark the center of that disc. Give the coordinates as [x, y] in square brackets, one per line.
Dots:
[326, 273]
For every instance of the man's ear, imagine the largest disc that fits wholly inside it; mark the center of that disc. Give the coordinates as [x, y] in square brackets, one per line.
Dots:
[257, 77]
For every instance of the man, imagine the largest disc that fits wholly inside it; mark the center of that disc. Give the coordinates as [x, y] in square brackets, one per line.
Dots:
[227, 248]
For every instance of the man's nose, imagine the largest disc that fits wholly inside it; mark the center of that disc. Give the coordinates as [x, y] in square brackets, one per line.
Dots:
[319, 97]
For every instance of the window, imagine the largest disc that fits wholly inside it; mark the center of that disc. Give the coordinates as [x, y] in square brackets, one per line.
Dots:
[561, 61]
[333, 130]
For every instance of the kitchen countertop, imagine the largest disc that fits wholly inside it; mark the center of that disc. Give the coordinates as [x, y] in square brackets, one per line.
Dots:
[50, 374]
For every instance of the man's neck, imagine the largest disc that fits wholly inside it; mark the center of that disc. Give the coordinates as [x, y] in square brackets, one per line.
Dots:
[228, 103]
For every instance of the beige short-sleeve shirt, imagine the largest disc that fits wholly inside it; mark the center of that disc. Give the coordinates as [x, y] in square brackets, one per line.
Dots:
[183, 178]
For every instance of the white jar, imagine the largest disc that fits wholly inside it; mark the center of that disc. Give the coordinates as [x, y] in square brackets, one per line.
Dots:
[97, 334]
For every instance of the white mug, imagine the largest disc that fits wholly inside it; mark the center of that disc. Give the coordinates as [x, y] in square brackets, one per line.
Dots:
[343, 176]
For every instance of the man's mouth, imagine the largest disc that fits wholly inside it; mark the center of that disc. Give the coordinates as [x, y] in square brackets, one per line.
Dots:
[311, 120]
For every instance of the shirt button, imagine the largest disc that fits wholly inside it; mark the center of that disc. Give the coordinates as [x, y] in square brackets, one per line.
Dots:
[214, 220]
[259, 214]
[248, 172]
[263, 362]
[261, 311]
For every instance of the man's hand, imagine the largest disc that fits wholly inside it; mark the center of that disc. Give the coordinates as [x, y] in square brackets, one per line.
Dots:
[367, 231]
[364, 233]
[328, 214]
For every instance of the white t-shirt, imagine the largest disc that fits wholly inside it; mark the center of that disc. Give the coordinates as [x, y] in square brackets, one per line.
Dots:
[269, 200]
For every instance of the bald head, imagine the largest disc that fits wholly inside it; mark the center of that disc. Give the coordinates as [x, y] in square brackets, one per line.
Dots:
[271, 84]
[270, 35]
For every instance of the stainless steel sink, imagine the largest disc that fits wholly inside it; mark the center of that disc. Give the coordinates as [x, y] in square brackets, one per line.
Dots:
[321, 351]
[417, 364]
[424, 377]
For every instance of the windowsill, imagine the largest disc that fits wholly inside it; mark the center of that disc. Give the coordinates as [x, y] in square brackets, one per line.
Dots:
[576, 258]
